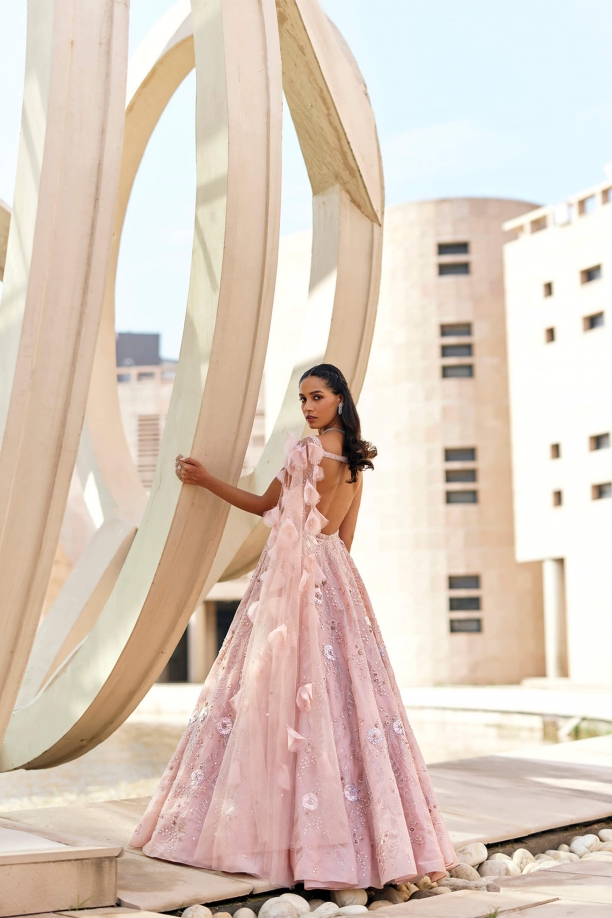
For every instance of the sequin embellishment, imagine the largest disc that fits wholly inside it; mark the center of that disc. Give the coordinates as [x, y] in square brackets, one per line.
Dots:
[328, 652]
[225, 725]
[351, 792]
[374, 735]
[398, 727]
[310, 802]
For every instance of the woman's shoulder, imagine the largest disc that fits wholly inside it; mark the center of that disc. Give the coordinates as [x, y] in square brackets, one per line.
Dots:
[332, 441]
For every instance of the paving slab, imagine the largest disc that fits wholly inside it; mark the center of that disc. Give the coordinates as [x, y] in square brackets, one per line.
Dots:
[161, 886]
[566, 908]
[466, 904]
[13, 840]
[588, 882]
[107, 910]
[142, 882]
[494, 798]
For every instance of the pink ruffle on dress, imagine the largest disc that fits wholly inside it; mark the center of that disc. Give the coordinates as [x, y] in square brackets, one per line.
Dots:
[298, 764]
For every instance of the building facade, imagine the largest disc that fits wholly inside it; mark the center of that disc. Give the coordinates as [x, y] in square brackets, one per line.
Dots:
[435, 539]
[558, 289]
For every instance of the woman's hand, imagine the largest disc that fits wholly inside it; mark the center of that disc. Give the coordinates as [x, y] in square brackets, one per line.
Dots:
[190, 471]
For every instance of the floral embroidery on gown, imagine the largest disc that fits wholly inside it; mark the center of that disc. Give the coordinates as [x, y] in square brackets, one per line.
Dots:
[298, 764]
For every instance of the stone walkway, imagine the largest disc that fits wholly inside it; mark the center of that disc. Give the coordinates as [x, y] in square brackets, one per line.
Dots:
[487, 799]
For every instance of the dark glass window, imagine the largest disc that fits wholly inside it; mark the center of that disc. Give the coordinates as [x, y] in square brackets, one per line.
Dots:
[454, 267]
[594, 321]
[557, 498]
[454, 475]
[456, 350]
[464, 582]
[555, 450]
[602, 491]
[225, 617]
[466, 625]
[549, 335]
[590, 274]
[461, 497]
[460, 454]
[456, 330]
[548, 289]
[464, 603]
[453, 248]
[458, 371]
[601, 441]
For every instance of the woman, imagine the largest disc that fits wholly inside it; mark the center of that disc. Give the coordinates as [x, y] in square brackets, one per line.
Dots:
[298, 764]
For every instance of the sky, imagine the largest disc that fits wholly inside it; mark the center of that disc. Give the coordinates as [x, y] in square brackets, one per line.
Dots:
[478, 97]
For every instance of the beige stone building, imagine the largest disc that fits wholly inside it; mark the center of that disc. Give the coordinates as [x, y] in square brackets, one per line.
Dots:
[435, 540]
[558, 289]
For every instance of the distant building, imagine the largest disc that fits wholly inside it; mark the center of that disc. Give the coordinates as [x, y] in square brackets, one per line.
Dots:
[435, 538]
[559, 294]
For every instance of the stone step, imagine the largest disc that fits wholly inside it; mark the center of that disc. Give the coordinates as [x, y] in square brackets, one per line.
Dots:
[41, 875]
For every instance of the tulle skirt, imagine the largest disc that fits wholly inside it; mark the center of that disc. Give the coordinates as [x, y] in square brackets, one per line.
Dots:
[354, 807]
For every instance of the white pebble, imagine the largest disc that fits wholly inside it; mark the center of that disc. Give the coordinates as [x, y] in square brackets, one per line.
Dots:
[277, 908]
[605, 835]
[315, 903]
[465, 872]
[500, 857]
[197, 911]
[244, 913]
[522, 857]
[563, 848]
[327, 910]
[473, 854]
[378, 903]
[591, 842]
[543, 857]
[499, 868]
[301, 905]
[344, 897]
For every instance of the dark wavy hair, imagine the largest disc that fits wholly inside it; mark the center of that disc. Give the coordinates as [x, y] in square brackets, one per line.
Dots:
[359, 453]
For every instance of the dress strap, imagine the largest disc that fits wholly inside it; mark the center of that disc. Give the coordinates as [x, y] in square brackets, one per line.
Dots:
[335, 456]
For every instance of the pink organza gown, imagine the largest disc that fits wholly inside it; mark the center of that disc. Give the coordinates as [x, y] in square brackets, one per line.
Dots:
[298, 763]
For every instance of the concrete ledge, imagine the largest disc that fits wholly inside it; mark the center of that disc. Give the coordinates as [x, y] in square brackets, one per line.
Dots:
[30, 888]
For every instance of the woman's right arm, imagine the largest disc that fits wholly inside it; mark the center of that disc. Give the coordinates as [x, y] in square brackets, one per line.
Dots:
[191, 471]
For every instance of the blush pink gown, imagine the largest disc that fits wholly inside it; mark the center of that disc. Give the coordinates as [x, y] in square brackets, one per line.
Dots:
[298, 764]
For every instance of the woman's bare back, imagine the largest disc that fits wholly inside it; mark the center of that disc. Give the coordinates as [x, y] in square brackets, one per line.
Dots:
[338, 495]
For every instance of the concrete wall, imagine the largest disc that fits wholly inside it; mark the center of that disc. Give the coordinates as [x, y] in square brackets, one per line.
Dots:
[560, 394]
[409, 540]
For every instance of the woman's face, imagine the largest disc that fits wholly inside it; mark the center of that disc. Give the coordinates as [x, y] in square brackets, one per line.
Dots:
[319, 403]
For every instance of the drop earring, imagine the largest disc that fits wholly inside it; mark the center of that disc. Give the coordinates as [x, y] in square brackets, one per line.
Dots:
[340, 407]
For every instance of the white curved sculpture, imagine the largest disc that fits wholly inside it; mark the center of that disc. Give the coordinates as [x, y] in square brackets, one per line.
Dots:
[128, 600]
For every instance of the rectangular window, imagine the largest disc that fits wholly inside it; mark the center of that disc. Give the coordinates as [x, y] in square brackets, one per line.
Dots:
[606, 197]
[555, 450]
[600, 441]
[549, 335]
[455, 475]
[594, 321]
[590, 274]
[460, 454]
[601, 491]
[146, 374]
[461, 497]
[456, 330]
[587, 205]
[460, 371]
[455, 267]
[548, 288]
[464, 603]
[149, 439]
[540, 224]
[453, 248]
[465, 625]
[123, 377]
[464, 582]
[456, 350]
[557, 497]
